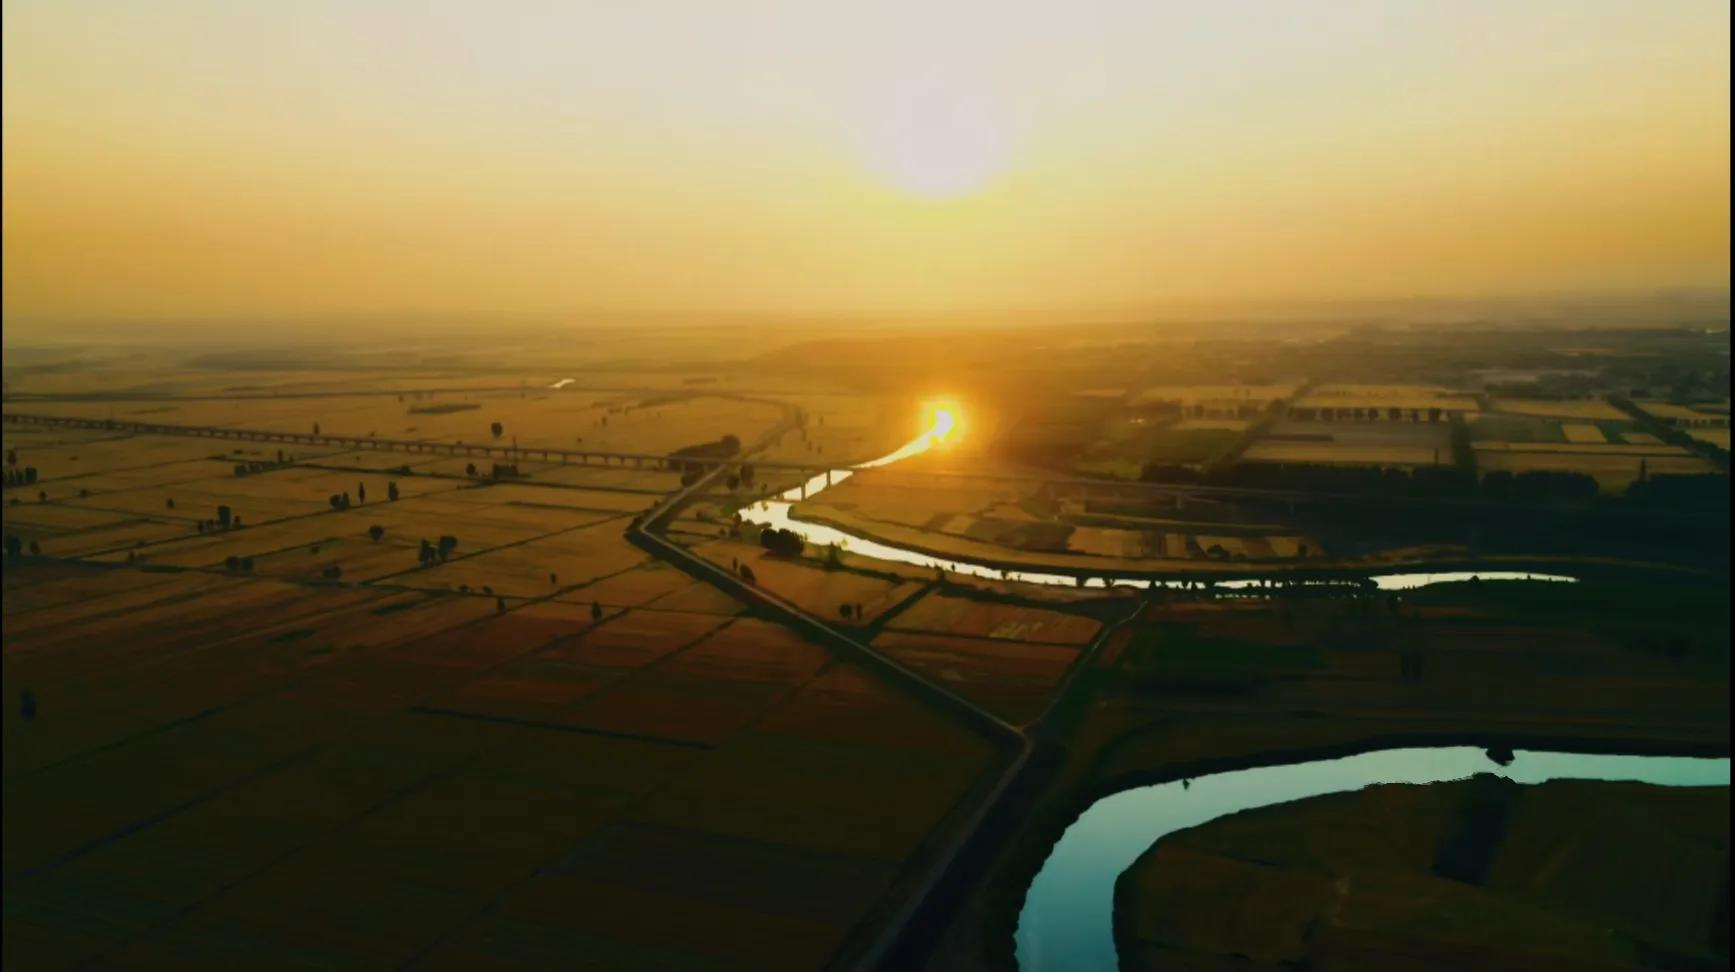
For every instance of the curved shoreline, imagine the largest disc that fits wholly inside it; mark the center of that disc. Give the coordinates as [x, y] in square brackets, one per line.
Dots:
[1210, 572]
[1146, 924]
[1036, 835]
[1087, 799]
[1239, 577]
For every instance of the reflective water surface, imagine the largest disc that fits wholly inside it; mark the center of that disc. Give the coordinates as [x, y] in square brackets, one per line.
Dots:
[1067, 921]
[776, 513]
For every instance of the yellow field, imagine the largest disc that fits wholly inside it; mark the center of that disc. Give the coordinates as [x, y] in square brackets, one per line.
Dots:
[1603, 448]
[1385, 396]
[1582, 432]
[1612, 471]
[1259, 395]
[1717, 437]
[564, 419]
[1224, 424]
[1345, 453]
[1683, 413]
[943, 614]
[815, 588]
[1583, 409]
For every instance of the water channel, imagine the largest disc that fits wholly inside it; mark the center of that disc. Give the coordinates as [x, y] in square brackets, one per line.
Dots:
[776, 513]
[1067, 921]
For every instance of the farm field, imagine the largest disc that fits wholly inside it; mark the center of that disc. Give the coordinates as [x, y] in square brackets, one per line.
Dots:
[1717, 437]
[1572, 409]
[931, 518]
[564, 419]
[1015, 680]
[1614, 467]
[1353, 443]
[440, 735]
[1257, 397]
[1672, 413]
[1127, 448]
[1385, 397]
[816, 588]
[1575, 859]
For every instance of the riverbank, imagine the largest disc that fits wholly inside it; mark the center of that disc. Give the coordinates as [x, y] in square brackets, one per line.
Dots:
[1084, 567]
[1483, 873]
[1603, 667]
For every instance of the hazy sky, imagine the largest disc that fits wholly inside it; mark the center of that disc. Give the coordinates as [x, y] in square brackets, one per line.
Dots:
[209, 157]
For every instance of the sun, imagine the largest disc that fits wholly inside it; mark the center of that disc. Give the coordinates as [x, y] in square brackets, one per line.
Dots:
[938, 144]
[942, 420]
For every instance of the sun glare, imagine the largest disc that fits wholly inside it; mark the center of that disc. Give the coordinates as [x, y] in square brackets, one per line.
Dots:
[942, 422]
[938, 144]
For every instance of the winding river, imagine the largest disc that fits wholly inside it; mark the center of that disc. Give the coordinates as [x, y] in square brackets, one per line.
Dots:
[776, 512]
[1067, 921]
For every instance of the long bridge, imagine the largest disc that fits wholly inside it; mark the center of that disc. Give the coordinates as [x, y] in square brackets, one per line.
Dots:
[806, 471]
[486, 450]
[602, 457]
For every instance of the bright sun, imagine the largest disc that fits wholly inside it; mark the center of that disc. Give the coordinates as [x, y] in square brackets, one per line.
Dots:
[939, 144]
[942, 420]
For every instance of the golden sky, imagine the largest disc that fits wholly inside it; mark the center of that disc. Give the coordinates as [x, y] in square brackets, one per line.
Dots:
[202, 158]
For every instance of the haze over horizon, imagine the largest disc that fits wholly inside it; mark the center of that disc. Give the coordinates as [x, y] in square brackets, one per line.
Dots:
[195, 160]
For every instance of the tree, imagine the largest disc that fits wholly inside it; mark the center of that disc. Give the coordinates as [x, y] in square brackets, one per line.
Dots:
[27, 705]
[553, 578]
[232, 563]
[236, 522]
[336, 501]
[595, 611]
[447, 543]
[41, 496]
[170, 502]
[316, 428]
[785, 543]
[14, 546]
[375, 532]
[470, 469]
[361, 492]
[425, 555]
[392, 490]
[497, 429]
[747, 574]
[247, 565]
[224, 517]
[35, 549]
[499, 605]
[843, 611]
[11, 457]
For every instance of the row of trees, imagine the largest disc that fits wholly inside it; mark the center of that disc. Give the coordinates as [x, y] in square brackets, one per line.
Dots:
[436, 552]
[15, 547]
[21, 477]
[1422, 482]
